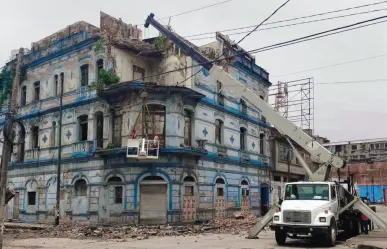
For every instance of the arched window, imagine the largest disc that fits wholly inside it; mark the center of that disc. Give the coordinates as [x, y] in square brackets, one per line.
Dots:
[82, 128]
[99, 129]
[218, 132]
[243, 138]
[153, 178]
[80, 187]
[245, 188]
[118, 190]
[99, 65]
[189, 186]
[220, 188]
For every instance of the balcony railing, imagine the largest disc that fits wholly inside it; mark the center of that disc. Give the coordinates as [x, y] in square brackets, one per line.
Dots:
[83, 91]
[32, 154]
[244, 155]
[221, 150]
[83, 146]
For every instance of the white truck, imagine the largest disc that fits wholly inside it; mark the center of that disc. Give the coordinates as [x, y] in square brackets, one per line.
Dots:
[313, 208]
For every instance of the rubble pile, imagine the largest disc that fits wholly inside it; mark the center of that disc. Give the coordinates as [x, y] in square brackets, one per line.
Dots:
[239, 224]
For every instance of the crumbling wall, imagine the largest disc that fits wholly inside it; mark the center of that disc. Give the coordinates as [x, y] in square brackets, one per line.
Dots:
[117, 28]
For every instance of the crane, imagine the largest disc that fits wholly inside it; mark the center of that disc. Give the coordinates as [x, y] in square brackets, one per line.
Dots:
[338, 208]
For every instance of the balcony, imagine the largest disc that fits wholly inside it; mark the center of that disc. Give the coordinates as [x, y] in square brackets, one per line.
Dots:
[221, 150]
[32, 154]
[82, 148]
[83, 92]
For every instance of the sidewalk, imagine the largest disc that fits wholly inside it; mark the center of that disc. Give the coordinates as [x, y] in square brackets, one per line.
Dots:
[374, 240]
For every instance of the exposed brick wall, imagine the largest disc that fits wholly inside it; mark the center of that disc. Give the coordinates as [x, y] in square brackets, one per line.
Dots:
[363, 173]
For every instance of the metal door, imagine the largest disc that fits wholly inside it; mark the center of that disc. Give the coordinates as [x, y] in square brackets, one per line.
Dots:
[153, 203]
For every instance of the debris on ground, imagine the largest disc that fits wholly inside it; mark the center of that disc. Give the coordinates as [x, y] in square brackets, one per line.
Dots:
[241, 223]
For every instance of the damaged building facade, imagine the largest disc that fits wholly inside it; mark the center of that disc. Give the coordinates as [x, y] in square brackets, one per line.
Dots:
[214, 151]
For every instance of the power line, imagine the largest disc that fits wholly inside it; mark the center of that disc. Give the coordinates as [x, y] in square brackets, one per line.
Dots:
[292, 19]
[272, 14]
[293, 24]
[333, 65]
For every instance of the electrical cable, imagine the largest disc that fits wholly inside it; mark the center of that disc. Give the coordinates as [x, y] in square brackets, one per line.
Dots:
[292, 19]
[272, 14]
[293, 24]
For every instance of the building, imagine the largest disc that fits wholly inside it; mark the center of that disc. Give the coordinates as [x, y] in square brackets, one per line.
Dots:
[214, 150]
[367, 163]
[285, 165]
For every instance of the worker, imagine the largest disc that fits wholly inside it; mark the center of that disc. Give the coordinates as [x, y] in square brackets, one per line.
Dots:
[364, 221]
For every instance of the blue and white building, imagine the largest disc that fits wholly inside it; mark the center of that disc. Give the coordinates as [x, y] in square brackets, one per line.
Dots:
[214, 154]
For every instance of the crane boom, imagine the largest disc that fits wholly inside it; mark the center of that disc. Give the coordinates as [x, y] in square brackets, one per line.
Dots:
[233, 88]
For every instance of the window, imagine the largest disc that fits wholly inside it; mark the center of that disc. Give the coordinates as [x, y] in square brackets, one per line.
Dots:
[187, 128]
[80, 187]
[99, 67]
[243, 138]
[245, 190]
[138, 73]
[23, 100]
[372, 146]
[117, 128]
[82, 128]
[31, 198]
[56, 85]
[307, 192]
[283, 153]
[262, 144]
[277, 178]
[333, 193]
[376, 146]
[61, 83]
[35, 137]
[99, 129]
[244, 106]
[219, 191]
[218, 131]
[37, 90]
[118, 190]
[85, 75]
[338, 148]
[53, 133]
[220, 97]
[354, 147]
[155, 123]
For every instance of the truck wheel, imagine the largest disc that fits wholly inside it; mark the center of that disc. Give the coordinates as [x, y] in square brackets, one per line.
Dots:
[330, 238]
[280, 236]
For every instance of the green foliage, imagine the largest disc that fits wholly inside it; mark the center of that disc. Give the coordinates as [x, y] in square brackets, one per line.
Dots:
[111, 146]
[159, 42]
[99, 46]
[6, 81]
[105, 78]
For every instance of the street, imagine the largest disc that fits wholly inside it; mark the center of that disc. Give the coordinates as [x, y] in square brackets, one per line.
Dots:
[266, 241]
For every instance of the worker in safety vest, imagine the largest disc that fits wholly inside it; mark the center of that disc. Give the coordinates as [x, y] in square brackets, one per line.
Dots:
[364, 221]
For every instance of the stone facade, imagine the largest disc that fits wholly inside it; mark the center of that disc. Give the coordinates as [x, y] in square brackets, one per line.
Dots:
[214, 156]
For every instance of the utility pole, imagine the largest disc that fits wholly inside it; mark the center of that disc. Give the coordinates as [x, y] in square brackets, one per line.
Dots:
[8, 143]
[57, 207]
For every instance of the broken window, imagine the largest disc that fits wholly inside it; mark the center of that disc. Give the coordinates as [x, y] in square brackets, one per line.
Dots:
[187, 128]
[99, 67]
[80, 187]
[243, 138]
[138, 73]
[83, 127]
[85, 75]
[56, 85]
[99, 130]
[244, 106]
[219, 97]
[218, 131]
[37, 90]
[118, 190]
[35, 137]
[23, 100]
[31, 198]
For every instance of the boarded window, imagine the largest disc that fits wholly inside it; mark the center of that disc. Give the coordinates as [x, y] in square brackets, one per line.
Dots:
[31, 198]
[80, 187]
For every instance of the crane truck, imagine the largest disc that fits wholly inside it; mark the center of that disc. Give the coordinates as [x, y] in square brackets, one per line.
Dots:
[318, 208]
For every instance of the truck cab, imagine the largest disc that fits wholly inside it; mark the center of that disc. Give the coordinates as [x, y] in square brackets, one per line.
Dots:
[308, 209]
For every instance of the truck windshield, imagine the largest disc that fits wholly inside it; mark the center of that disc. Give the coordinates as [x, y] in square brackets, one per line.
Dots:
[307, 192]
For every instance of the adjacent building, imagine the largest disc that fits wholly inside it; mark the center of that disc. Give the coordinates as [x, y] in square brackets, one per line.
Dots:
[367, 164]
[214, 149]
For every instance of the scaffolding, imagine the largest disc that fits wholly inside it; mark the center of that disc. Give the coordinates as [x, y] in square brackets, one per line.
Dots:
[295, 101]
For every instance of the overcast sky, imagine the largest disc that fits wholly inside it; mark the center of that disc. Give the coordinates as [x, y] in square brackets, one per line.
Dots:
[342, 111]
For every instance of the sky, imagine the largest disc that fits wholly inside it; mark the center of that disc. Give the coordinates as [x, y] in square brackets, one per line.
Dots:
[341, 111]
